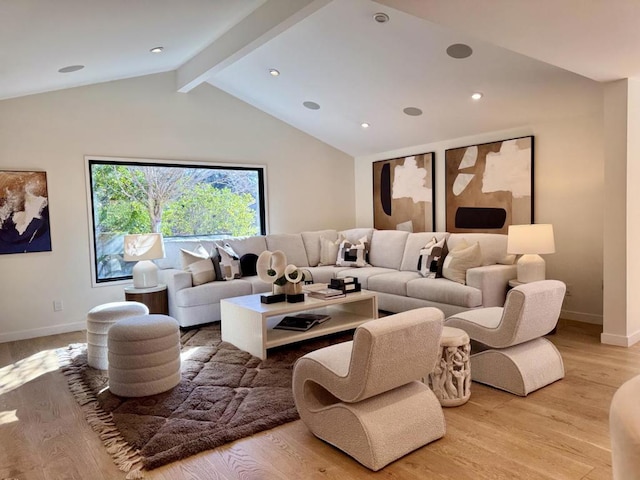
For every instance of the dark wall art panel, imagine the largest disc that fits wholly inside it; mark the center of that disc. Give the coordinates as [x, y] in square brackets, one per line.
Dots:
[24, 212]
[489, 186]
[403, 193]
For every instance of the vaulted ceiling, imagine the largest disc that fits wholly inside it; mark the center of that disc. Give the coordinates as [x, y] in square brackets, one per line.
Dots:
[527, 58]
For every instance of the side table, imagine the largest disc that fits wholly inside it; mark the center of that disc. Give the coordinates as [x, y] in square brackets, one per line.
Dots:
[451, 377]
[153, 297]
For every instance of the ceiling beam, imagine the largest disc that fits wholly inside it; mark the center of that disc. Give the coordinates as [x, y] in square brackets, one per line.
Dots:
[263, 24]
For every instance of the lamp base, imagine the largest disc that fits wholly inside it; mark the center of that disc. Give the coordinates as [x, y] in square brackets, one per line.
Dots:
[531, 268]
[145, 274]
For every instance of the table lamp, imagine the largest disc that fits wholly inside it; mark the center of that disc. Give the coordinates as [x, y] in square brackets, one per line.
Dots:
[143, 248]
[530, 241]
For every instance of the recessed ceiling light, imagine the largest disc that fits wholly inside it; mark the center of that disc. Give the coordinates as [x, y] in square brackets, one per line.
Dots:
[311, 105]
[156, 49]
[381, 17]
[71, 68]
[459, 50]
[412, 111]
[273, 72]
[365, 125]
[476, 96]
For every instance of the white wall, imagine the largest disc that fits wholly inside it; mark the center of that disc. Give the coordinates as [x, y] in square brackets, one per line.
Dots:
[622, 200]
[568, 192]
[145, 118]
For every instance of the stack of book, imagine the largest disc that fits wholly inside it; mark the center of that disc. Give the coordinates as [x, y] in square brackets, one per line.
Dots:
[302, 321]
[326, 293]
[346, 284]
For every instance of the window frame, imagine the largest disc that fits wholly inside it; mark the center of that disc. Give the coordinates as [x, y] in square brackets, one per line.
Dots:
[142, 162]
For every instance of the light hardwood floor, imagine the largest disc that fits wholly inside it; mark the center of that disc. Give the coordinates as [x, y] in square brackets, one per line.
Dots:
[559, 432]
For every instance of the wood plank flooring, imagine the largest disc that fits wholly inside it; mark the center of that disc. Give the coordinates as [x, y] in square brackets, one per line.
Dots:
[558, 432]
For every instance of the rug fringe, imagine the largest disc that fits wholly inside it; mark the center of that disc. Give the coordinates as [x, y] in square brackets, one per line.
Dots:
[126, 457]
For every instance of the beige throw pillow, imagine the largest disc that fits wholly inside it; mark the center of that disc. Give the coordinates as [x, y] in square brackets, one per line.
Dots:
[201, 272]
[459, 260]
[329, 250]
[187, 257]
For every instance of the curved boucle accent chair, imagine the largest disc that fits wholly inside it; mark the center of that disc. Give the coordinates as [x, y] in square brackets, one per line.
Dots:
[624, 424]
[508, 351]
[365, 396]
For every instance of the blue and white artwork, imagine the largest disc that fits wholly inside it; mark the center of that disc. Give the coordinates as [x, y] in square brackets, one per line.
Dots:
[24, 212]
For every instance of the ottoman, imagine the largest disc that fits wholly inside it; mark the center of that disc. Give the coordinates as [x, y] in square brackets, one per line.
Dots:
[99, 321]
[144, 355]
[451, 377]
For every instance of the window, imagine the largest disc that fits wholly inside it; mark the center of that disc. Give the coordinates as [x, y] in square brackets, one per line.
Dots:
[175, 199]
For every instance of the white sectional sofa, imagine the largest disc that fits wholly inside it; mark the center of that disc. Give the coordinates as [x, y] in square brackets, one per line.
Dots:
[392, 273]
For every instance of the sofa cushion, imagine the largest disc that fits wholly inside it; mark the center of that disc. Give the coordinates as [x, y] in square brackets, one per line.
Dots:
[492, 245]
[292, 246]
[394, 283]
[387, 248]
[363, 274]
[324, 273]
[244, 245]
[312, 245]
[415, 242]
[459, 260]
[445, 291]
[229, 260]
[354, 234]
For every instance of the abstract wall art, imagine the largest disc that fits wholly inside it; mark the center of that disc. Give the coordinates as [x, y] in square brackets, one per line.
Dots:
[489, 186]
[403, 193]
[24, 212]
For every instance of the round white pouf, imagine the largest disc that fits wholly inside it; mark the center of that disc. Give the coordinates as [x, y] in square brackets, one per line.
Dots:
[451, 377]
[144, 355]
[99, 321]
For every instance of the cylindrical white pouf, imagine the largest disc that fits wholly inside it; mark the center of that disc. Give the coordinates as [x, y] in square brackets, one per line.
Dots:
[451, 377]
[144, 355]
[99, 321]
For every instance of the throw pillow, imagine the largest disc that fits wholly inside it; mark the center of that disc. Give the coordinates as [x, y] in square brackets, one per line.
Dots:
[460, 260]
[201, 272]
[440, 262]
[229, 261]
[248, 264]
[353, 255]
[215, 259]
[329, 250]
[429, 256]
[187, 257]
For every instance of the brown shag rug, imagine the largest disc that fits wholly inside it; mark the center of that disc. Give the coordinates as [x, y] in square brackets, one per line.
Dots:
[225, 394]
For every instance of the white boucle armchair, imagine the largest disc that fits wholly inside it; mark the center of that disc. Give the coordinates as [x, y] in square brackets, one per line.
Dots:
[508, 351]
[366, 396]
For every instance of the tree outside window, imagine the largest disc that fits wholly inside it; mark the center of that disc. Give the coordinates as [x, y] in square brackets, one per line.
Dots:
[176, 200]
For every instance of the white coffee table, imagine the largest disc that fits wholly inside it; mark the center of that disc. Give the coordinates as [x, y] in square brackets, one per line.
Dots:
[248, 324]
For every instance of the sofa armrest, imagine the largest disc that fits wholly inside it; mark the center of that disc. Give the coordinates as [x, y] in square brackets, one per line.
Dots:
[175, 280]
[492, 280]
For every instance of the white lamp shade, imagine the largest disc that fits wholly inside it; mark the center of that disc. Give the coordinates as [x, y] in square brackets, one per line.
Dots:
[144, 248]
[525, 239]
[529, 241]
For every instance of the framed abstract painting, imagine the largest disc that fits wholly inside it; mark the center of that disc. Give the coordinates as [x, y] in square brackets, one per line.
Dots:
[403, 193]
[24, 212]
[489, 186]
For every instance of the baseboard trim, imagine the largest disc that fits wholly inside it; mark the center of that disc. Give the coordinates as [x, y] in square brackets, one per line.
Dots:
[620, 340]
[582, 317]
[42, 332]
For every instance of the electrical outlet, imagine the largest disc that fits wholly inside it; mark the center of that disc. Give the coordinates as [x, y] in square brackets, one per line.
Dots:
[57, 305]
